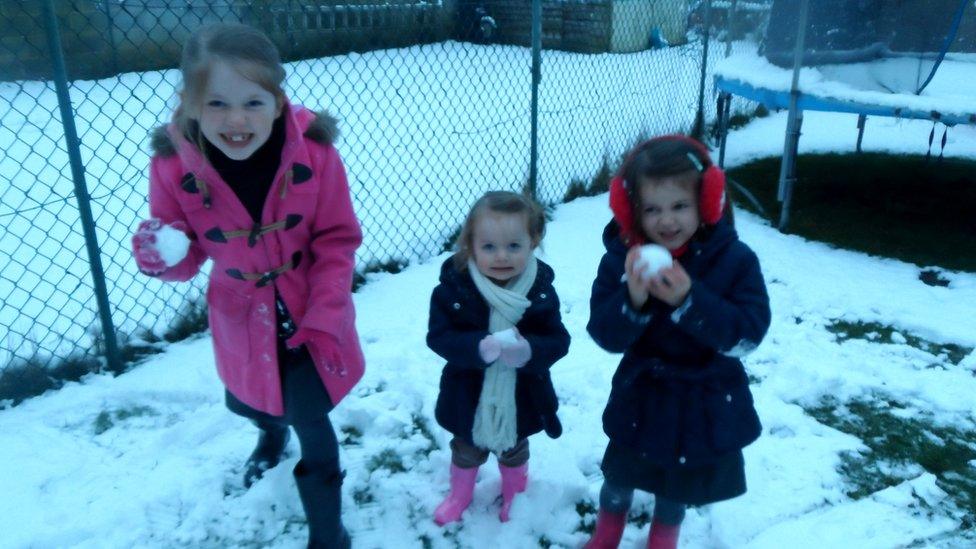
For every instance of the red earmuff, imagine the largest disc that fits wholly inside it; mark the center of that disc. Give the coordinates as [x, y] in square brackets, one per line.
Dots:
[623, 212]
[711, 203]
[711, 200]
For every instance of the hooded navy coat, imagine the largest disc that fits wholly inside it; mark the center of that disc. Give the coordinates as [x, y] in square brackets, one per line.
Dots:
[459, 320]
[680, 396]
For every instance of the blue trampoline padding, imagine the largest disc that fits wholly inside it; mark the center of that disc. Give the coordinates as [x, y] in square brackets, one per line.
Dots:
[781, 100]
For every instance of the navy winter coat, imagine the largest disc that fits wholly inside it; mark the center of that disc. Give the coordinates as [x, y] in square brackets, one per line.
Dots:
[680, 395]
[459, 320]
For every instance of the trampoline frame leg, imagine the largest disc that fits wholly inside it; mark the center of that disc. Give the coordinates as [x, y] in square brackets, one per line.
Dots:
[861, 119]
[724, 108]
[787, 172]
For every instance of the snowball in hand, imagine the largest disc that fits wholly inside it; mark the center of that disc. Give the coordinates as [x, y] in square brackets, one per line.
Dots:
[172, 245]
[506, 337]
[656, 257]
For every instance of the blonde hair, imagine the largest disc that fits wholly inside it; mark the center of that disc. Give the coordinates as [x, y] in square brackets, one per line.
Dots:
[249, 50]
[505, 202]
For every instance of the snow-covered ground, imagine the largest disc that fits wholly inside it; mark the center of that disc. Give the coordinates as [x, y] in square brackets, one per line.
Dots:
[143, 459]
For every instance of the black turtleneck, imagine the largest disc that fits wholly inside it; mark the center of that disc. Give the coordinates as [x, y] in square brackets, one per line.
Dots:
[251, 178]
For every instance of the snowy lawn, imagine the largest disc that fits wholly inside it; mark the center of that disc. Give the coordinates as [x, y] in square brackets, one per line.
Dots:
[144, 459]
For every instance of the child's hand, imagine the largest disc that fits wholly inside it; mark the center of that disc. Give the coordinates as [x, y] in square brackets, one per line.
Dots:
[301, 337]
[489, 348]
[325, 343]
[638, 285]
[516, 354]
[671, 285]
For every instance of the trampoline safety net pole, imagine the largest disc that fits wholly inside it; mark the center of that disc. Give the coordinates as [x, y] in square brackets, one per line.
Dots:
[787, 170]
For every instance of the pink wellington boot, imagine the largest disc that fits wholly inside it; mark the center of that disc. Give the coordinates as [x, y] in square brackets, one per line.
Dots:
[514, 481]
[462, 491]
[663, 536]
[609, 529]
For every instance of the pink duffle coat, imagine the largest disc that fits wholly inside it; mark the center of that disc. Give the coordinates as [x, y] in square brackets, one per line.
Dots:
[305, 250]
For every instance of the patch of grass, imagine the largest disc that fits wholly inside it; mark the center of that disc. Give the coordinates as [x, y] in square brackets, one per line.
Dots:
[933, 277]
[599, 184]
[103, 422]
[888, 205]
[135, 350]
[449, 243]
[363, 495]
[192, 320]
[640, 519]
[421, 426]
[576, 189]
[738, 120]
[902, 442]
[882, 333]
[585, 509]
[351, 436]
[366, 390]
[390, 266]
[106, 419]
[21, 379]
[388, 459]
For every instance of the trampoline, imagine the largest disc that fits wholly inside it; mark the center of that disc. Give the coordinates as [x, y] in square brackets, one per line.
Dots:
[893, 58]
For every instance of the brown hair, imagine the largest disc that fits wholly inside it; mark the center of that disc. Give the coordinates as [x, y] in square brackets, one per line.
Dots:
[661, 159]
[501, 202]
[658, 159]
[250, 51]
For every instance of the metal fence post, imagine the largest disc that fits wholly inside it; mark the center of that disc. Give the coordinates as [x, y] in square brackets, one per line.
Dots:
[698, 130]
[536, 78]
[81, 188]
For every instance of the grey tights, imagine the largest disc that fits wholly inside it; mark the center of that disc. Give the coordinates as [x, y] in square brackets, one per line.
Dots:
[617, 499]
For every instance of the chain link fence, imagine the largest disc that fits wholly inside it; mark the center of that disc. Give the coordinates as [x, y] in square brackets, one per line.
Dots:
[436, 101]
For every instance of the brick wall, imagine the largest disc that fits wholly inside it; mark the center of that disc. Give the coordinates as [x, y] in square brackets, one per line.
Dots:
[105, 38]
[586, 26]
[577, 25]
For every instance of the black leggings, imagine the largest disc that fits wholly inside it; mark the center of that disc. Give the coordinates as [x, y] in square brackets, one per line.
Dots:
[307, 405]
[617, 499]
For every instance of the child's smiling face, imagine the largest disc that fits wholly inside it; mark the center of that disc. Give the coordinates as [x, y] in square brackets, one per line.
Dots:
[501, 245]
[236, 114]
[668, 211]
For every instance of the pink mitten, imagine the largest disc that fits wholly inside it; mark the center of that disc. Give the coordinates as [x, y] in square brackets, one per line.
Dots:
[489, 348]
[516, 354]
[144, 248]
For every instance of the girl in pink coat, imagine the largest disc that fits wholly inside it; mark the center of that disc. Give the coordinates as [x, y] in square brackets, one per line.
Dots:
[242, 177]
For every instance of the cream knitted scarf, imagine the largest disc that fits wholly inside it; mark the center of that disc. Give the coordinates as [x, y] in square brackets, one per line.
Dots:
[495, 420]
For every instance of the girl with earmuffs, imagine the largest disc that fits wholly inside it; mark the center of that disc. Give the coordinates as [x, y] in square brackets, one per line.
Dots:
[680, 410]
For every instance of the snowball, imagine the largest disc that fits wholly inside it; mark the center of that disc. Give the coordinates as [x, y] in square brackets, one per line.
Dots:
[741, 349]
[172, 245]
[506, 337]
[656, 257]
